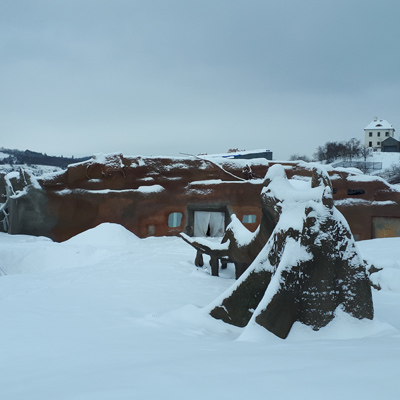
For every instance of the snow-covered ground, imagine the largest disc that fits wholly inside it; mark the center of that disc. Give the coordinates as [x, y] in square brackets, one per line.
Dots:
[387, 159]
[106, 315]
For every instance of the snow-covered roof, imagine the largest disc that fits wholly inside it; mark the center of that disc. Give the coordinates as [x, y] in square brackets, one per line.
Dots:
[379, 124]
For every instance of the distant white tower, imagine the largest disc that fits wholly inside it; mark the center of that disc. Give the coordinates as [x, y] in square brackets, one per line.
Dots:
[376, 132]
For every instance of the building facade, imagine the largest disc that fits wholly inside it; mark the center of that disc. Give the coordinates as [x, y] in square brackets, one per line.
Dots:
[376, 132]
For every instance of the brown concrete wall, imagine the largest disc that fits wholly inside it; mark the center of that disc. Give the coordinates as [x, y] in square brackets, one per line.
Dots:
[91, 193]
[360, 218]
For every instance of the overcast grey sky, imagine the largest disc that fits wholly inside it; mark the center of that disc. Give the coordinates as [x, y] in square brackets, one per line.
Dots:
[160, 77]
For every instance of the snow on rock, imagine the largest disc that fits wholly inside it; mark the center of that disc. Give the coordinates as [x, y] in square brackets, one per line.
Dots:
[353, 202]
[308, 268]
[242, 235]
[150, 189]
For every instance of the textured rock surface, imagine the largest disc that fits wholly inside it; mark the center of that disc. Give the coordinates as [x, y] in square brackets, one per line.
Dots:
[308, 268]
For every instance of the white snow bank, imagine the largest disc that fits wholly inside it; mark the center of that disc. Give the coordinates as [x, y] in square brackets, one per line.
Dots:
[383, 254]
[342, 327]
[127, 323]
[106, 234]
[21, 240]
[27, 254]
[365, 178]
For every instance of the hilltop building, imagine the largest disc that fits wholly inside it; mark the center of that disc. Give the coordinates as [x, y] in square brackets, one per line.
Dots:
[377, 132]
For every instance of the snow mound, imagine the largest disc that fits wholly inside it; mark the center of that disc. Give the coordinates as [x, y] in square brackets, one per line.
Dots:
[388, 278]
[106, 234]
[101, 323]
[6, 238]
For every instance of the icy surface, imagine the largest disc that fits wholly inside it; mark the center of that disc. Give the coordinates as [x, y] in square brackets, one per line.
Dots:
[106, 315]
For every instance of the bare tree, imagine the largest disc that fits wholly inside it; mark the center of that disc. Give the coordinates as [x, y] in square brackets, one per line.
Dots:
[365, 152]
[331, 151]
[352, 148]
[392, 174]
[302, 157]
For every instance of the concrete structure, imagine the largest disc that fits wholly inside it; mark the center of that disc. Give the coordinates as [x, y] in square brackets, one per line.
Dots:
[165, 196]
[376, 132]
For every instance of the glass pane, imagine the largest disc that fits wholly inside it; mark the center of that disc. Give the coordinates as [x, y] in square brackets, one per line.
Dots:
[249, 219]
[174, 219]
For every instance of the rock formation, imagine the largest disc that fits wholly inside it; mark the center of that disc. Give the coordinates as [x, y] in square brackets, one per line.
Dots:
[308, 268]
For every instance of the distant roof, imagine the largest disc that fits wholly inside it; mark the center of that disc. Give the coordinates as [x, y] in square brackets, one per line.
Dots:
[379, 124]
[389, 141]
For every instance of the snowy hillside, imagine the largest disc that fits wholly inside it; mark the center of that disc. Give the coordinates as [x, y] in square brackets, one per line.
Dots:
[106, 315]
[387, 159]
[36, 170]
[382, 161]
[36, 163]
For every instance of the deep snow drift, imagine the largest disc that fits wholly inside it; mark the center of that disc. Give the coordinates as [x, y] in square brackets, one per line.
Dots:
[106, 315]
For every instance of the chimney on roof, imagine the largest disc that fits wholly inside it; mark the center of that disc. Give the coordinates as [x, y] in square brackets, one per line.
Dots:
[375, 118]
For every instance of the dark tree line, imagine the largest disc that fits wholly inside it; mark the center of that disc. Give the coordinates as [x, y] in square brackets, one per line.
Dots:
[331, 151]
[29, 157]
[346, 150]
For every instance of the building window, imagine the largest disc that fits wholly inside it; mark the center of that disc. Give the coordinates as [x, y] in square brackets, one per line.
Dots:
[369, 144]
[175, 219]
[355, 192]
[379, 134]
[386, 133]
[249, 219]
[370, 134]
[378, 143]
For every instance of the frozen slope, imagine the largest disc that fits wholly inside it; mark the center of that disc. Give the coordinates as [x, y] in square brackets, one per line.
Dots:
[109, 316]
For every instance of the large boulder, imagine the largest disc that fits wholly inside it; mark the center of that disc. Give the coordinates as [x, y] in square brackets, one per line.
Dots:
[308, 268]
